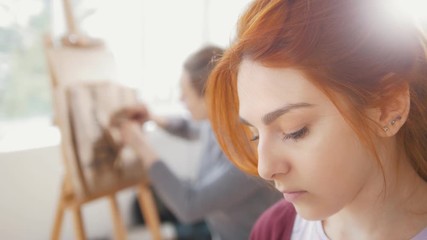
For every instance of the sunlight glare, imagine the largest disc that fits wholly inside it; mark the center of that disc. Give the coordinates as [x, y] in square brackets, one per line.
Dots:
[415, 9]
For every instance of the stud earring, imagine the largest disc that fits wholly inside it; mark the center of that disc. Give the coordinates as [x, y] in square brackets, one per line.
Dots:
[392, 122]
[385, 128]
[395, 120]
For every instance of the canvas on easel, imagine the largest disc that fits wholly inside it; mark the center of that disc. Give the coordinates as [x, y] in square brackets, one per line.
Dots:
[103, 160]
[97, 166]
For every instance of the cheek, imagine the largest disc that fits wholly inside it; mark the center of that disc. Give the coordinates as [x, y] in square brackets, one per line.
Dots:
[336, 156]
[334, 167]
[196, 105]
[342, 165]
[189, 100]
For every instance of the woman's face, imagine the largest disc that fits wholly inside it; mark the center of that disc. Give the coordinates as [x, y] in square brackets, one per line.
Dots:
[305, 146]
[191, 99]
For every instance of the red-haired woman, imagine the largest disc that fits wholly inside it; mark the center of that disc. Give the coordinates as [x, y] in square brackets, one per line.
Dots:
[328, 99]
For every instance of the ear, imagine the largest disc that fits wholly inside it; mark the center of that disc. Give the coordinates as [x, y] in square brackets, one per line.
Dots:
[390, 117]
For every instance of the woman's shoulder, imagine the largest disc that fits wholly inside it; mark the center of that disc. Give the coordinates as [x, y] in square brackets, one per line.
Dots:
[275, 223]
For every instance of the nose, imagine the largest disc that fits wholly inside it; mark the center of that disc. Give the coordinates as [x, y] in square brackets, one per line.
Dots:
[272, 160]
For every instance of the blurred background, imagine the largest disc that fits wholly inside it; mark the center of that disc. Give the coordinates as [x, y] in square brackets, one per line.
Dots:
[149, 40]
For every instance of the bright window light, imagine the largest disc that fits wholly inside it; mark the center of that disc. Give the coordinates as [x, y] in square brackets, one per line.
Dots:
[27, 134]
[415, 9]
[150, 39]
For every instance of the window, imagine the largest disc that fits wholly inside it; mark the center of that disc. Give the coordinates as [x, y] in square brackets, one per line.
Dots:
[150, 40]
[24, 85]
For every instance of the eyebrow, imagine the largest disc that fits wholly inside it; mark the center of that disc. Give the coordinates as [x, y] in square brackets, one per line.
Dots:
[273, 115]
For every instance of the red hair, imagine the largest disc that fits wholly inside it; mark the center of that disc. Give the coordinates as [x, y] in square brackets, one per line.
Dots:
[352, 50]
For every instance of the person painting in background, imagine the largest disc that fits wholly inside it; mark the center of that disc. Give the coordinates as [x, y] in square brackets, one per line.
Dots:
[228, 200]
[328, 99]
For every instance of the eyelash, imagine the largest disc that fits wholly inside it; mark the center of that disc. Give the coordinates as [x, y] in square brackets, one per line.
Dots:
[254, 138]
[294, 135]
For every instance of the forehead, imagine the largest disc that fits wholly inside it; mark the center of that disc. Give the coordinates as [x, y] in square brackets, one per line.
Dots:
[262, 89]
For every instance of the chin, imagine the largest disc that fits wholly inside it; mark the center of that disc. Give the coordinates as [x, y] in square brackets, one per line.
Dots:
[312, 212]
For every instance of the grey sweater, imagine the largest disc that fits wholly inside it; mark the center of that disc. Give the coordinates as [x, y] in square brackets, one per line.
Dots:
[226, 198]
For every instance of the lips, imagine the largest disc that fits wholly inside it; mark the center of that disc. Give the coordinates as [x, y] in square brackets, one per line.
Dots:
[293, 196]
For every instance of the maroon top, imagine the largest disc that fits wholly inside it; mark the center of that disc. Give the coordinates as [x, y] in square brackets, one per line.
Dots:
[276, 223]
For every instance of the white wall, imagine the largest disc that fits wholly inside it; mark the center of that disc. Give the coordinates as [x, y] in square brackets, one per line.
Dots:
[30, 184]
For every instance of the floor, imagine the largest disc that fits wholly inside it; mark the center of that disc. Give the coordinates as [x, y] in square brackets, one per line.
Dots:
[30, 184]
[141, 233]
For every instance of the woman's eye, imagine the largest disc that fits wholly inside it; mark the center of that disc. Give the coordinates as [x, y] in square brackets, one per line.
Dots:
[254, 132]
[254, 138]
[296, 135]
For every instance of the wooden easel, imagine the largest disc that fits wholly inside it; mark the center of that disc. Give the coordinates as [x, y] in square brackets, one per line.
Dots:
[73, 61]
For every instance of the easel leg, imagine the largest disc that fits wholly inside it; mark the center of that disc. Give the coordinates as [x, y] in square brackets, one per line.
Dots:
[78, 223]
[119, 228]
[56, 232]
[148, 209]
